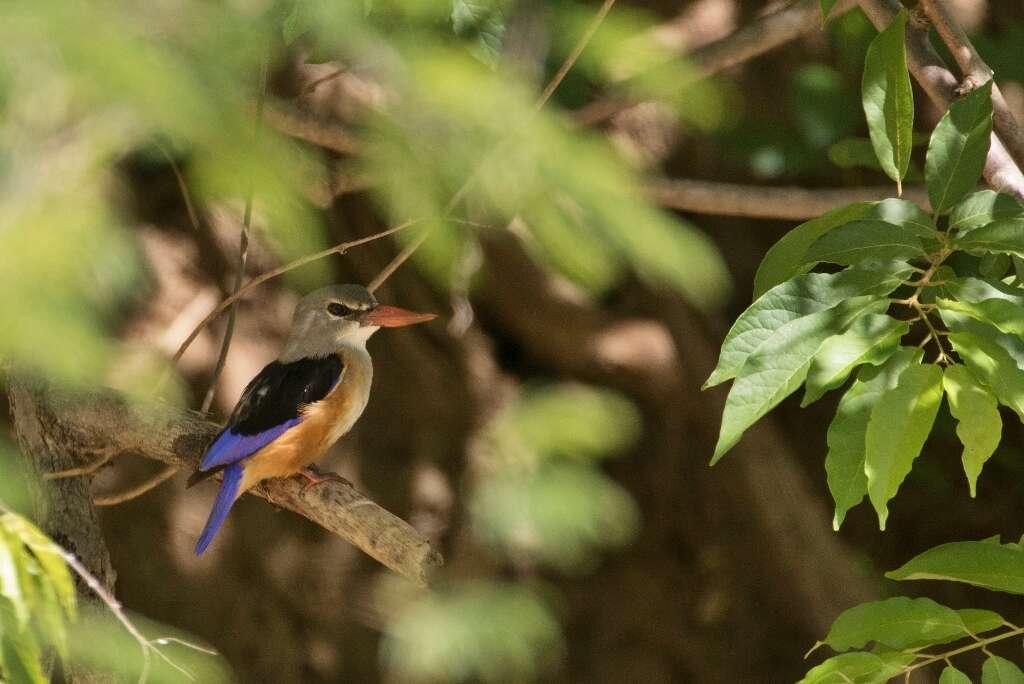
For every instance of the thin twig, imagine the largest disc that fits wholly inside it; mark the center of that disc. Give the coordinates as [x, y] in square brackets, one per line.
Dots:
[243, 245]
[340, 248]
[147, 646]
[87, 469]
[193, 217]
[138, 490]
[976, 72]
[577, 50]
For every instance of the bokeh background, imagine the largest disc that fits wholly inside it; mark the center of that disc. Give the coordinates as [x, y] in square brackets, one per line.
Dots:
[547, 432]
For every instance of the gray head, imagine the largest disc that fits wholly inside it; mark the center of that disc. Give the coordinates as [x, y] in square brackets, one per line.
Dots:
[338, 316]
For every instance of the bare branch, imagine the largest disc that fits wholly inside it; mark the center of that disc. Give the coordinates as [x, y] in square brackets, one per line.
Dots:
[138, 490]
[304, 125]
[976, 72]
[1001, 172]
[341, 248]
[88, 422]
[731, 199]
[756, 38]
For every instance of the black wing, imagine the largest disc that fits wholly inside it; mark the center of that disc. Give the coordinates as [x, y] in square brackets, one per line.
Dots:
[270, 405]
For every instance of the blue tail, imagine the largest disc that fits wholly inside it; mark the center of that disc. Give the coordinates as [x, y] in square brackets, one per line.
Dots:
[225, 498]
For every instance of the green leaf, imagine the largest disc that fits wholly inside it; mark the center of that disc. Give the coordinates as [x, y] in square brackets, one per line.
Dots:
[1004, 314]
[1006, 235]
[898, 623]
[958, 147]
[984, 207]
[906, 215]
[844, 462]
[793, 299]
[951, 675]
[998, 670]
[979, 426]
[994, 265]
[900, 423]
[888, 99]
[10, 584]
[858, 667]
[999, 567]
[993, 365]
[865, 239]
[22, 659]
[980, 289]
[871, 339]
[49, 557]
[779, 365]
[786, 258]
[979, 621]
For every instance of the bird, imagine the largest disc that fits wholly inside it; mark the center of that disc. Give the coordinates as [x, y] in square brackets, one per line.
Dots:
[302, 402]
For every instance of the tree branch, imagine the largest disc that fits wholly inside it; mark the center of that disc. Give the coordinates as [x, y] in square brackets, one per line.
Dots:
[941, 85]
[756, 38]
[731, 199]
[88, 423]
[976, 72]
[307, 126]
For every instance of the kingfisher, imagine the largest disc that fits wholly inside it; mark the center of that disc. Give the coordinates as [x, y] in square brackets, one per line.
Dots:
[304, 401]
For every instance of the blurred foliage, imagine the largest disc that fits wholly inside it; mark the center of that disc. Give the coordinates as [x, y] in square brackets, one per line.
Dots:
[545, 500]
[476, 632]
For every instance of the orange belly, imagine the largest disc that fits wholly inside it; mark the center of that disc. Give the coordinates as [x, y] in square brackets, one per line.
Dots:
[322, 424]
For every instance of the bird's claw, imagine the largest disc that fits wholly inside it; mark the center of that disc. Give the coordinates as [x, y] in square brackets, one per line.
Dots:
[315, 477]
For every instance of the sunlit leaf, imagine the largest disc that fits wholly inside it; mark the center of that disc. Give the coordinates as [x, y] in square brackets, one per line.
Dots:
[982, 563]
[888, 99]
[1005, 235]
[454, 636]
[865, 239]
[1005, 314]
[998, 670]
[993, 365]
[847, 433]
[779, 365]
[787, 257]
[951, 675]
[871, 339]
[22, 658]
[958, 147]
[979, 425]
[793, 299]
[984, 207]
[900, 423]
[49, 557]
[561, 514]
[574, 421]
[977, 290]
[898, 623]
[857, 667]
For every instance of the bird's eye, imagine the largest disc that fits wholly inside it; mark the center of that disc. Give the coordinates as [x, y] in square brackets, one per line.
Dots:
[336, 309]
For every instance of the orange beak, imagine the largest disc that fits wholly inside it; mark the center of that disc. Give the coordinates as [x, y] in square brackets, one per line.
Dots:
[393, 317]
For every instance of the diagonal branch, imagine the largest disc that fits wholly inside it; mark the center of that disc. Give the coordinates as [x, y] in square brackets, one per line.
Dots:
[732, 199]
[935, 78]
[765, 33]
[976, 72]
[84, 423]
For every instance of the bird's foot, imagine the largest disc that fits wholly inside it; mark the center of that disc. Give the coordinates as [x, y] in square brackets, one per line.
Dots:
[315, 477]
